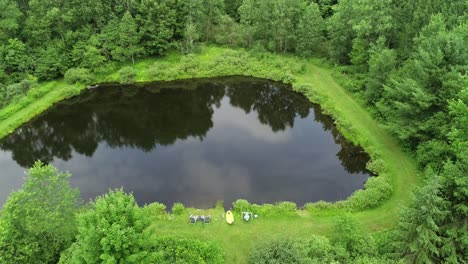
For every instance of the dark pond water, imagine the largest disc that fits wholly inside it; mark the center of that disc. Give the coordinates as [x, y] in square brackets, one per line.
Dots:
[193, 141]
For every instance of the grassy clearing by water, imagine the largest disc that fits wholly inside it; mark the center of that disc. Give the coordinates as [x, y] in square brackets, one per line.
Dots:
[309, 77]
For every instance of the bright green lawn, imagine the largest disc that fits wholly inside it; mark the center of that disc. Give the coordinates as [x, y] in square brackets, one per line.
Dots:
[238, 238]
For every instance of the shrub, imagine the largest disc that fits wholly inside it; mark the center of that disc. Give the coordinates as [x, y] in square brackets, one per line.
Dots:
[171, 250]
[242, 205]
[78, 75]
[377, 189]
[279, 209]
[316, 249]
[189, 63]
[14, 91]
[288, 77]
[303, 87]
[283, 250]
[352, 239]
[376, 166]
[127, 75]
[285, 208]
[320, 205]
[154, 210]
[178, 209]
[158, 71]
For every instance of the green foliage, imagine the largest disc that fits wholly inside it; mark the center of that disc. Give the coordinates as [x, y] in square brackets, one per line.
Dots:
[88, 55]
[127, 75]
[15, 58]
[154, 211]
[283, 250]
[171, 250]
[382, 62]
[310, 38]
[242, 205]
[38, 221]
[419, 239]
[114, 230]
[78, 75]
[377, 190]
[279, 209]
[272, 22]
[157, 31]
[129, 37]
[351, 238]
[191, 36]
[10, 16]
[189, 64]
[315, 249]
[178, 209]
[50, 63]
[15, 91]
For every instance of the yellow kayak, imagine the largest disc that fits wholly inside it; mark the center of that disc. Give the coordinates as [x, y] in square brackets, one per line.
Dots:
[229, 217]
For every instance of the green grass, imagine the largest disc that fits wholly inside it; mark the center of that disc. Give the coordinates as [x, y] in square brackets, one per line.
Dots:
[352, 119]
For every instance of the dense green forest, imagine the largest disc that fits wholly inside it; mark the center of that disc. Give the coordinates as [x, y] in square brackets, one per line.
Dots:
[405, 61]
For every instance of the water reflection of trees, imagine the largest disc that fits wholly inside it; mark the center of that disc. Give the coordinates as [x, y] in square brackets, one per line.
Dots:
[352, 157]
[120, 117]
[157, 115]
[276, 106]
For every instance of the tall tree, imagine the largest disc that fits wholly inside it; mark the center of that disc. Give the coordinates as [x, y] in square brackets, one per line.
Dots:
[156, 20]
[128, 41]
[15, 58]
[419, 239]
[10, 16]
[38, 221]
[309, 36]
[414, 101]
[273, 23]
[112, 231]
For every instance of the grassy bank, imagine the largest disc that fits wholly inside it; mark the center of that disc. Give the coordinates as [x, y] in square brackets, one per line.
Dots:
[376, 208]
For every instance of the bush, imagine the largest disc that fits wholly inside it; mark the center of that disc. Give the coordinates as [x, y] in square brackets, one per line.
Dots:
[352, 239]
[315, 249]
[158, 71]
[127, 75]
[376, 166]
[283, 250]
[303, 88]
[377, 190]
[171, 250]
[178, 209]
[155, 210]
[189, 64]
[78, 75]
[288, 77]
[241, 205]
[279, 209]
[14, 91]
[320, 205]
[285, 208]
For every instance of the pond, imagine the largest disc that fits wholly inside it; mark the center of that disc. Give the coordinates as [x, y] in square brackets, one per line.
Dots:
[190, 141]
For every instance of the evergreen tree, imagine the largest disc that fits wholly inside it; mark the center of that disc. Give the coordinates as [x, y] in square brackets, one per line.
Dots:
[157, 30]
[128, 40]
[419, 239]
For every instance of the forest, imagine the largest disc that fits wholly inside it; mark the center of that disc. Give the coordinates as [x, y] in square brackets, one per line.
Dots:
[405, 62]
